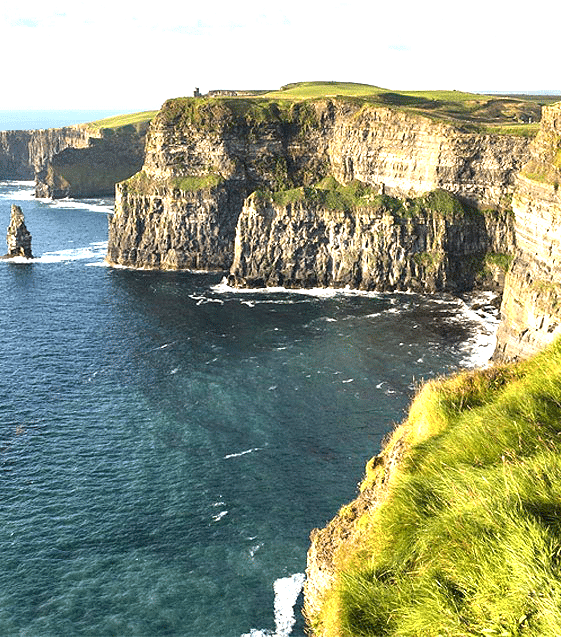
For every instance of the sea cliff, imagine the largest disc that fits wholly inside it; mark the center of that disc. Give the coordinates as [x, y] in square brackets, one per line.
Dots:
[224, 180]
[531, 307]
[84, 160]
[23, 153]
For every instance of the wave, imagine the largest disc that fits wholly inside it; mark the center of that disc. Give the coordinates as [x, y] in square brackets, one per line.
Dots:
[94, 205]
[242, 453]
[479, 309]
[287, 591]
[93, 251]
[25, 191]
[19, 190]
[224, 288]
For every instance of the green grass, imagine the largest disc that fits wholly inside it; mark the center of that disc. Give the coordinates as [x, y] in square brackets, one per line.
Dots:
[469, 540]
[503, 115]
[331, 195]
[142, 184]
[119, 121]
[191, 184]
[471, 112]
[308, 90]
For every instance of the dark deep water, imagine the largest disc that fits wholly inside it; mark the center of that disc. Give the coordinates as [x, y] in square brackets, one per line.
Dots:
[167, 444]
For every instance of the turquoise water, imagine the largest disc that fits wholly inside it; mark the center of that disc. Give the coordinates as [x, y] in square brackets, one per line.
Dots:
[167, 444]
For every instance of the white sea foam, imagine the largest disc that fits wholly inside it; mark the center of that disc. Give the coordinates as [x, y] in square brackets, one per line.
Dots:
[242, 453]
[19, 191]
[219, 516]
[94, 205]
[478, 309]
[223, 288]
[18, 260]
[93, 251]
[287, 590]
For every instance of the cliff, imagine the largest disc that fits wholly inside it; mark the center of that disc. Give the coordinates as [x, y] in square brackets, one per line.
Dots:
[456, 527]
[24, 153]
[92, 168]
[531, 306]
[204, 158]
[367, 241]
[84, 160]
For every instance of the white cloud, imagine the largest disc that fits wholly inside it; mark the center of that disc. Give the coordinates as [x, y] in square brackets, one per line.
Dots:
[124, 54]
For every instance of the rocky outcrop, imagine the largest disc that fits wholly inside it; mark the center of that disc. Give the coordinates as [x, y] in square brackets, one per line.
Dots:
[531, 306]
[202, 153]
[18, 237]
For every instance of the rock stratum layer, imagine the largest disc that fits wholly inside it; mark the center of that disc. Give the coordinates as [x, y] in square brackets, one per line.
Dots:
[531, 306]
[193, 206]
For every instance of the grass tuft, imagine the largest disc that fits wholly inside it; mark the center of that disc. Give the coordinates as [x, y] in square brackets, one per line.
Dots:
[468, 541]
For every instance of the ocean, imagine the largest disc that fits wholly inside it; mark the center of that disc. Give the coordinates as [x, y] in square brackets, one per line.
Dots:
[167, 443]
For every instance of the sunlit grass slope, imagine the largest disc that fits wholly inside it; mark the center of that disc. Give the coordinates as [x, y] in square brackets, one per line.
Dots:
[468, 542]
[515, 115]
[118, 121]
[307, 90]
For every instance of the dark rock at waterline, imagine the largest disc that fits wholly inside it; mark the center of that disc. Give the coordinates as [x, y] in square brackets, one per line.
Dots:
[18, 237]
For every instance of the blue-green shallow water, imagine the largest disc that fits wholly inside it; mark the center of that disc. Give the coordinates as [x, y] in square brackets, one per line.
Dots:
[167, 444]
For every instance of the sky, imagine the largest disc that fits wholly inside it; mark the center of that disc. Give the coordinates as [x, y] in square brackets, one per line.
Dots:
[64, 54]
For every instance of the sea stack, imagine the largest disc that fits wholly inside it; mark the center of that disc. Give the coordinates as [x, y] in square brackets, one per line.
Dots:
[18, 237]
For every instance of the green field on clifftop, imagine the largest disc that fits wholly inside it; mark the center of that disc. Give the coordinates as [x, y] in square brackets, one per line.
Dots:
[514, 115]
[117, 121]
[468, 541]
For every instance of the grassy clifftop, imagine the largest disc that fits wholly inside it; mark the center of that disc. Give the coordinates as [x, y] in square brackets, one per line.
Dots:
[467, 540]
[120, 121]
[515, 115]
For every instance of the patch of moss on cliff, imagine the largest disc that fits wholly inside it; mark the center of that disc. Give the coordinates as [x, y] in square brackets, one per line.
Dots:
[441, 202]
[143, 184]
[468, 538]
[332, 195]
[429, 260]
[499, 260]
[193, 183]
[220, 113]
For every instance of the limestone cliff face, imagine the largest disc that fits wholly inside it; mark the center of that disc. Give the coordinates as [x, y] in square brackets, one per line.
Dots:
[159, 227]
[92, 168]
[75, 161]
[24, 152]
[373, 248]
[531, 307]
[227, 149]
[408, 155]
